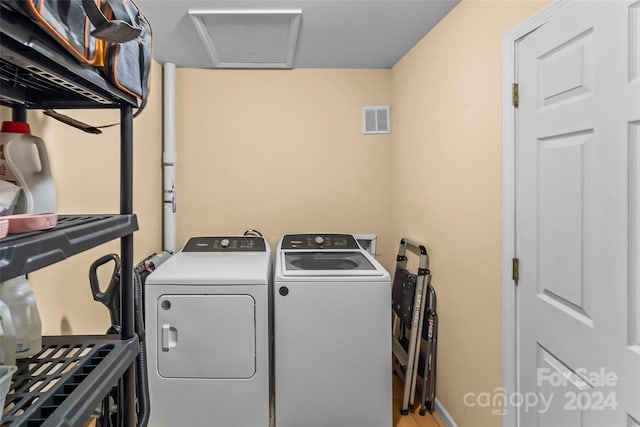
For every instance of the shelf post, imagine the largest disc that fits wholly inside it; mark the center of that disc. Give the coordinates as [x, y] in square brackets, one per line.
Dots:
[19, 114]
[126, 251]
[126, 208]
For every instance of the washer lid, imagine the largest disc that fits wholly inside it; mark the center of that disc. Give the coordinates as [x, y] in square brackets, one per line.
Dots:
[328, 263]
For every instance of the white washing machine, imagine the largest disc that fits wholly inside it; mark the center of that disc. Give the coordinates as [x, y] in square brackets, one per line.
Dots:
[332, 334]
[208, 345]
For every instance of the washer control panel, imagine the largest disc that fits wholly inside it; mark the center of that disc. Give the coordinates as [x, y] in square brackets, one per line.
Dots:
[225, 244]
[319, 241]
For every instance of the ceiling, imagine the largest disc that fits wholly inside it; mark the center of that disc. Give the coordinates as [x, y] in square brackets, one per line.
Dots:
[262, 33]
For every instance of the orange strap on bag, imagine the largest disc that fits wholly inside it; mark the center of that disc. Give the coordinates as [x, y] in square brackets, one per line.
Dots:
[66, 22]
[111, 35]
[127, 62]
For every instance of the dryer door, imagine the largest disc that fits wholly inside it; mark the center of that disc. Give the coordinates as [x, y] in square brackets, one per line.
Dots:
[206, 336]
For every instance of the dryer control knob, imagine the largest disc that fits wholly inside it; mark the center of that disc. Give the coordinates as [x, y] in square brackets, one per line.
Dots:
[224, 243]
[319, 240]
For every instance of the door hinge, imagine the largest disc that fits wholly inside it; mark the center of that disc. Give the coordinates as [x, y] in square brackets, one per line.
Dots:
[515, 269]
[515, 94]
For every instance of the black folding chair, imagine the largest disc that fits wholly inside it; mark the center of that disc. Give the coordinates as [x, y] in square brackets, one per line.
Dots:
[408, 303]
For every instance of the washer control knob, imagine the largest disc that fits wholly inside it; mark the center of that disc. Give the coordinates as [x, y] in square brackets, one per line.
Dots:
[319, 240]
[224, 243]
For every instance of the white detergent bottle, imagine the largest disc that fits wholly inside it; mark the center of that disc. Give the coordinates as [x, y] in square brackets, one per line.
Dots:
[24, 162]
[17, 294]
[7, 336]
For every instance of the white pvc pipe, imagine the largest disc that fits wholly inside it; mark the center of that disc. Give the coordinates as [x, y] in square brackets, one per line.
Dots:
[169, 158]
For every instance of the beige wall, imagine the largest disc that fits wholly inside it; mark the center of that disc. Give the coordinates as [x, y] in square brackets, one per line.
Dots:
[86, 171]
[446, 100]
[280, 151]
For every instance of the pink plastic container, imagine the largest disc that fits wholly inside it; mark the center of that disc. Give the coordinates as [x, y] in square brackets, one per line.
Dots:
[4, 227]
[31, 222]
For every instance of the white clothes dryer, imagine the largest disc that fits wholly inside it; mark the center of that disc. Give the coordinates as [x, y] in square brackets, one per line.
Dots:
[332, 334]
[207, 321]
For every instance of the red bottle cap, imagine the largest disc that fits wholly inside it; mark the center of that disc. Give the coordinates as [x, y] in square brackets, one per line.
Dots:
[16, 127]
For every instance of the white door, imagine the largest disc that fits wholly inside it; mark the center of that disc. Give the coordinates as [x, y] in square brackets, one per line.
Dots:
[577, 226]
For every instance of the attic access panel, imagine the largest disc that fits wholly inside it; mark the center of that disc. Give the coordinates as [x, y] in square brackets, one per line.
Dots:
[248, 38]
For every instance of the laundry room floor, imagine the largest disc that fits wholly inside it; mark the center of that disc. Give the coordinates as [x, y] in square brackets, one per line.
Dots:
[413, 419]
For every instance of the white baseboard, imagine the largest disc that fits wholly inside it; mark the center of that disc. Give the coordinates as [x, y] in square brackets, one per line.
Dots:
[445, 415]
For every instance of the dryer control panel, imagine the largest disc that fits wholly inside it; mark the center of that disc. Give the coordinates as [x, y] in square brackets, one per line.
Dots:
[319, 241]
[225, 244]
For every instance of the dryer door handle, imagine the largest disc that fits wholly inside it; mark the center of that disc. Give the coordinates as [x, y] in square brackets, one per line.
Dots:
[169, 337]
